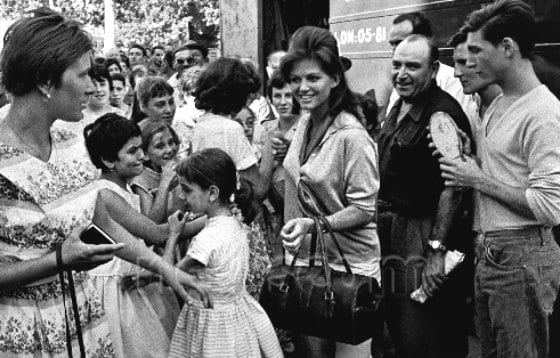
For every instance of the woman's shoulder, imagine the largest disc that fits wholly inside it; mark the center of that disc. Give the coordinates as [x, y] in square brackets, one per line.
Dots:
[348, 121]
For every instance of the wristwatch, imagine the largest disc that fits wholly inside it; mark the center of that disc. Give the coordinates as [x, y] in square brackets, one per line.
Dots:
[436, 245]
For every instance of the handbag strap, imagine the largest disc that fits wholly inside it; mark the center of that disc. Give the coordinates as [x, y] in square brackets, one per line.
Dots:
[329, 293]
[61, 272]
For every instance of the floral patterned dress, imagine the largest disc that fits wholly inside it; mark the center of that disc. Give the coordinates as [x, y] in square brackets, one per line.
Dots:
[40, 204]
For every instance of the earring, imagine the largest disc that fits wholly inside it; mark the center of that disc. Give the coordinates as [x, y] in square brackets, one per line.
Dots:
[46, 97]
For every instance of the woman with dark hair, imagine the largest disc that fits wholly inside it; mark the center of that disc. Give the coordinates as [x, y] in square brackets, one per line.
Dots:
[331, 153]
[113, 66]
[222, 90]
[47, 196]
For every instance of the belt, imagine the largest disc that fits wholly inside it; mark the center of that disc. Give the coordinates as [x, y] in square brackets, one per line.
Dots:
[520, 231]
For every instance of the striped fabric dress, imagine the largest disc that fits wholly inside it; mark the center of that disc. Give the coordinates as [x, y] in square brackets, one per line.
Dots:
[237, 326]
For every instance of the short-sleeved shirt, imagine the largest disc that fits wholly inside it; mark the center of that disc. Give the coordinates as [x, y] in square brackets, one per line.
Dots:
[341, 171]
[215, 131]
[410, 176]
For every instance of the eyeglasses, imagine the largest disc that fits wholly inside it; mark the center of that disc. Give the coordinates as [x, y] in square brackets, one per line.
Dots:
[187, 60]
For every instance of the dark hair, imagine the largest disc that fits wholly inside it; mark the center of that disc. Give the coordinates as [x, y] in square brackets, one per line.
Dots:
[113, 61]
[154, 128]
[118, 77]
[370, 110]
[138, 46]
[39, 48]
[99, 60]
[152, 87]
[124, 58]
[160, 47]
[459, 38]
[106, 136]
[168, 58]
[505, 18]
[420, 23]
[213, 166]
[100, 73]
[277, 81]
[224, 87]
[255, 76]
[320, 45]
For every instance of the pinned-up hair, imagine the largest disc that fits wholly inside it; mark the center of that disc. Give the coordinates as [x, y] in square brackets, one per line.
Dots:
[317, 44]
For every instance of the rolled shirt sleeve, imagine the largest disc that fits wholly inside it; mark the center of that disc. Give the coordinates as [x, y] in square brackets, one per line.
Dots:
[361, 174]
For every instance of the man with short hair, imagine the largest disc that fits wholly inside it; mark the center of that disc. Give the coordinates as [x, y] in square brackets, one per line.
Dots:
[482, 90]
[408, 24]
[158, 52]
[188, 55]
[418, 216]
[137, 55]
[517, 178]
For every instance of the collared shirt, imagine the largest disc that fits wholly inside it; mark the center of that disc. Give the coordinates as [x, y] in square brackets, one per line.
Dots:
[341, 171]
[410, 176]
[522, 149]
[447, 81]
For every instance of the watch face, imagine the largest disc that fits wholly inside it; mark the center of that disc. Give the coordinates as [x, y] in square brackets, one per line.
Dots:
[435, 244]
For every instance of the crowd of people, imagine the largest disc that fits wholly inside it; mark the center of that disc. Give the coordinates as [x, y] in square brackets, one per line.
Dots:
[165, 21]
[190, 180]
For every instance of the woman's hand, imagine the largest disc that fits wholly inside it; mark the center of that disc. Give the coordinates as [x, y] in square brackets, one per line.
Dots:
[279, 145]
[79, 256]
[179, 280]
[294, 231]
[177, 223]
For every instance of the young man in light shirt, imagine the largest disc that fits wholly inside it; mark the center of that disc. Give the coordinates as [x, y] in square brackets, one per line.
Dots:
[517, 178]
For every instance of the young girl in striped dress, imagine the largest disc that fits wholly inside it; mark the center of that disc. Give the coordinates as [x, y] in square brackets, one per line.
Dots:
[237, 326]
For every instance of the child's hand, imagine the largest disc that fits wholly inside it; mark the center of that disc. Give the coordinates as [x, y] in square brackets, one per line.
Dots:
[169, 175]
[176, 223]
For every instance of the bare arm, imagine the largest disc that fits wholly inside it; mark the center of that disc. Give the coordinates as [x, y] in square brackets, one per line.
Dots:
[76, 255]
[156, 208]
[138, 253]
[448, 206]
[133, 221]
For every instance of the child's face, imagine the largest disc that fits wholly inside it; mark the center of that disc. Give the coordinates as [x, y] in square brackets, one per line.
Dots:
[247, 121]
[102, 92]
[130, 159]
[119, 90]
[161, 108]
[162, 148]
[197, 199]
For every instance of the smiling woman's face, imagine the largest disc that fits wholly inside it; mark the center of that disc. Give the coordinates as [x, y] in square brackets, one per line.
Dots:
[311, 86]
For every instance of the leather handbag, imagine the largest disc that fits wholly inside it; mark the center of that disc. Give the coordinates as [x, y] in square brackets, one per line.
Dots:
[317, 300]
